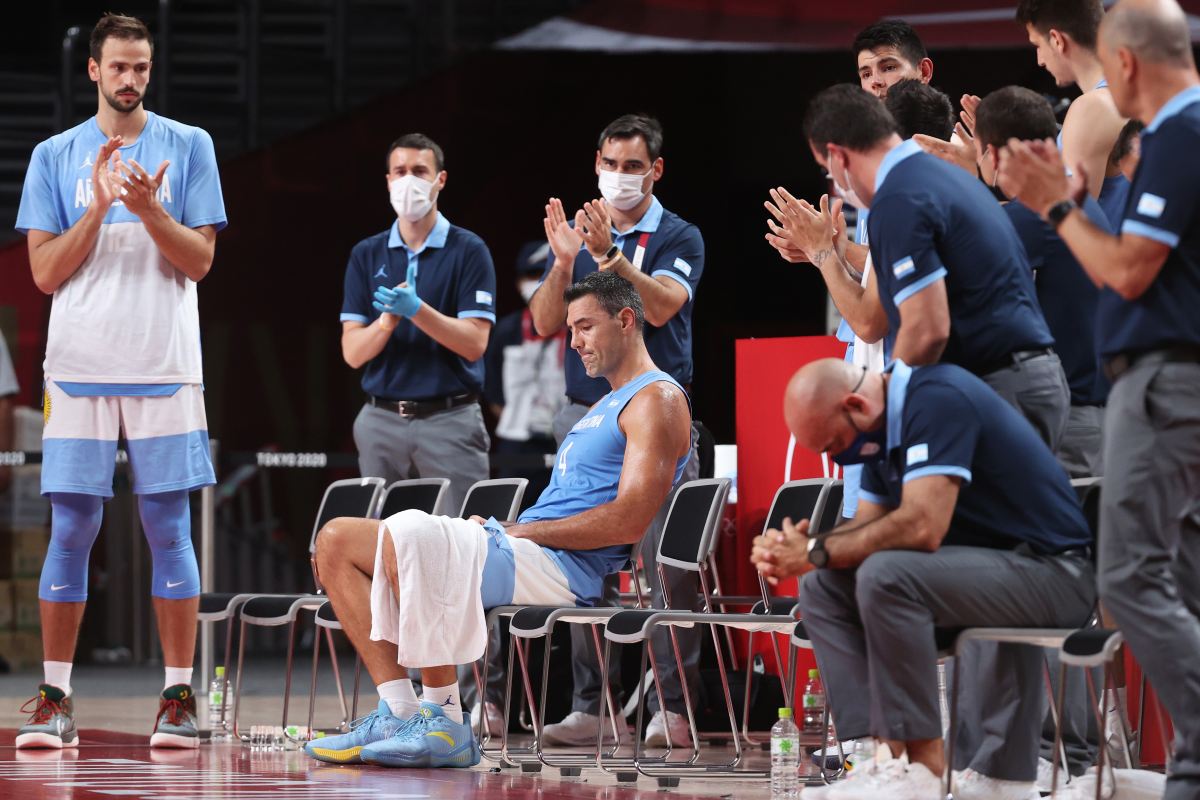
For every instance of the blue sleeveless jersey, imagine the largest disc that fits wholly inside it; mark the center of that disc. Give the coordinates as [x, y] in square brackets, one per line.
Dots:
[586, 473]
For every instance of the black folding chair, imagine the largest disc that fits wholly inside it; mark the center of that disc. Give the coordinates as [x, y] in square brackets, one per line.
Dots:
[422, 494]
[356, 497]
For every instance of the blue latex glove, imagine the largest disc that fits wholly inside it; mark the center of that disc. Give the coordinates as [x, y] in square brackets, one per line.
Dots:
[401, 301]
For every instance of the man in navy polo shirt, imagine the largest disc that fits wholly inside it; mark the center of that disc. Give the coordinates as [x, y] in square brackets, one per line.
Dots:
[1149, 331]
[964, 519]
[629, 233]
[951, 281]
[419, 306]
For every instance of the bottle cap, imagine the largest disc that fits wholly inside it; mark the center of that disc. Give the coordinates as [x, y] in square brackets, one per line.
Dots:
[785, 713]
[220, 672]
[813, 673]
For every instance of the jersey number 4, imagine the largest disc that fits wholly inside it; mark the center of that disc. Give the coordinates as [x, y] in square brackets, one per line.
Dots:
[562, 459]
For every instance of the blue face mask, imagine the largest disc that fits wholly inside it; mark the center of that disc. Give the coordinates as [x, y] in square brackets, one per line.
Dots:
[867, 445]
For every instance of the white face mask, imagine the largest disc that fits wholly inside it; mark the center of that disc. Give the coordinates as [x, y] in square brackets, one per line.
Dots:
[412, 197]
[527, 288]
[620, 191]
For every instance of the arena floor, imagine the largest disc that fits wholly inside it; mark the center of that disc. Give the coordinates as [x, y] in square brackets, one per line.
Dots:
[115, 713]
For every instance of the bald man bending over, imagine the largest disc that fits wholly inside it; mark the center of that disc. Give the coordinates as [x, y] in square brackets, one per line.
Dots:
[965, 519]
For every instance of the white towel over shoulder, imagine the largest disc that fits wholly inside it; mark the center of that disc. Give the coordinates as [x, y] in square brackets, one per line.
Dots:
[868, 354]
[440, 569]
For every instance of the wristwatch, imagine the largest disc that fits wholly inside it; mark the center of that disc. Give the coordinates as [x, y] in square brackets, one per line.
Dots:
[818, 556]
[1059, 211]
[609, 254]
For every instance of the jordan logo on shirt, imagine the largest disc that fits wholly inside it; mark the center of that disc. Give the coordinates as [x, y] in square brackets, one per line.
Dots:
[87, 162]
[382, 273]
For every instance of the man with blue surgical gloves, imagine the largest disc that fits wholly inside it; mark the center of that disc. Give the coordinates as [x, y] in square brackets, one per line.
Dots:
[419, 307]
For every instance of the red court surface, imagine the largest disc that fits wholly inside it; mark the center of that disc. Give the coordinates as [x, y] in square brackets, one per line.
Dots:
[110, 764]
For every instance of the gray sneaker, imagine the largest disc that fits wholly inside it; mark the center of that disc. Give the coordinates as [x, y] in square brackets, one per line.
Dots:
[53, 722]
[176, 725]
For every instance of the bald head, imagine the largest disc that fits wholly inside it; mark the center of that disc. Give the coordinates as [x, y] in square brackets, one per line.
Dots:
[815, 399]
[1154, 31]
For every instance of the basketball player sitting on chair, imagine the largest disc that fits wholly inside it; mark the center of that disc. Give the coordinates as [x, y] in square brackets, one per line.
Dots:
[411, 591]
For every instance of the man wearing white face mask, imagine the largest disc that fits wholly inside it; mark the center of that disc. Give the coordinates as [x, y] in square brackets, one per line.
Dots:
[630, 233]
[419, 307]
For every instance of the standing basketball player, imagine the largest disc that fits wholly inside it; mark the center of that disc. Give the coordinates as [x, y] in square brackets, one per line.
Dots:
[121, 215]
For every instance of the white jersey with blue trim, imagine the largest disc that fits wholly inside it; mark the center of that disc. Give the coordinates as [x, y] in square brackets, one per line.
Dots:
[127, 315]
[587, 472]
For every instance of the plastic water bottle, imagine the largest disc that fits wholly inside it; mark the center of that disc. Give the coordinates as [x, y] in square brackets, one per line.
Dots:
[218, 696]
[785, 757]
[814, 704]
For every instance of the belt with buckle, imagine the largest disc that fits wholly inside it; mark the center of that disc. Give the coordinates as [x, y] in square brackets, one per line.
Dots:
[1121, 363]
[1013, 359]
[423, 408]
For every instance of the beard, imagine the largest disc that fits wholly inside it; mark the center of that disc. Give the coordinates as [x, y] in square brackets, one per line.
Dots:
[122, 104]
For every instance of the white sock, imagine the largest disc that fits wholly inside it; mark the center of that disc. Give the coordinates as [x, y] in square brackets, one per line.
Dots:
[178, 675]
[58, 673]
[446, 697]
[400, 696]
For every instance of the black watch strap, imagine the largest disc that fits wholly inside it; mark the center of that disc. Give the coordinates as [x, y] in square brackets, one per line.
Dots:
[818, 556]
[612, 252]
[1059, 211]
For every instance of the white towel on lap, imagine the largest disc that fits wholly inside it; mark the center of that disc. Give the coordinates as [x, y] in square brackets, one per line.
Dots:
[440, 569]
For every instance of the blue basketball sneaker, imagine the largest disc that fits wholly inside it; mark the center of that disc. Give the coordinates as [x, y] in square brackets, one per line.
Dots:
[346, 748]
[431, 740]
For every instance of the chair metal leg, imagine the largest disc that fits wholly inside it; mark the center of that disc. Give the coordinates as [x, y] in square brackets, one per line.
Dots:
[951, 733]
[337, 679]
[287, 681]
[746, 694]
[1058, 743]
[716, 576]
[237, 691]
[312, 686]
[357, 683]
[1056, 701]
[1103, 720]
[228, 652]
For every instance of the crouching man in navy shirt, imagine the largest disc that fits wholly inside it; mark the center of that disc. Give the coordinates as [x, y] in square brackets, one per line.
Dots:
[412, 591]
[1149, 337]
[965, 519]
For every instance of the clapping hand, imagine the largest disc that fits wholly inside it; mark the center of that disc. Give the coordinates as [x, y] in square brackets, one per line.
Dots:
[106, 185]
[595, 225]
[401, 301]
[564, 240]
[138, 189]
[1034, 173]
[798, 228]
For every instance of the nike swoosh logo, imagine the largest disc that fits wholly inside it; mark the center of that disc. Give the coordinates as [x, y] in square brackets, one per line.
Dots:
[54, 588]
[173, 585]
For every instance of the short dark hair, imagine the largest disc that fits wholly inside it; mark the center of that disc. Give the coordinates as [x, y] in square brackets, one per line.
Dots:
[1014, 112]
[919, 108]
[419, 141]
[612, 292]
[1125, 139]
[1079, 19]
[848, 116]
[117, 26]
[891, 33]
[630, 126]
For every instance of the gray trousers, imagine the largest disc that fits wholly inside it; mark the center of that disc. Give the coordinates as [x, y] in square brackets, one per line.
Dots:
[450, 444]
[1149, 565]
[872, 630]
[682, 587]
[1038, 389]
[1081, 450]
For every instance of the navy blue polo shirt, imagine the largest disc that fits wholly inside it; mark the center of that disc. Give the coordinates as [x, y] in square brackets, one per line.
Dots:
[1163, 205]
[1068, 299]
[660, 244]
[931, 221]
[942, 420]
[1114, 193]
[454, 275]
